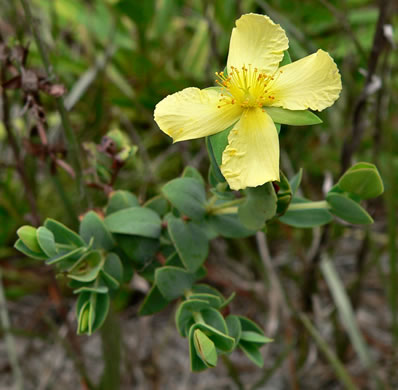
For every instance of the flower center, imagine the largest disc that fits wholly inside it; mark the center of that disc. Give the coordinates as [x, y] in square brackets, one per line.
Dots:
[247, 87]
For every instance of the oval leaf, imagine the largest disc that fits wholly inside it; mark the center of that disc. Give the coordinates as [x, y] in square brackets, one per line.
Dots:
[187, 195]
[190, 241]
[362, 179]
[138, 221]
[348, 210]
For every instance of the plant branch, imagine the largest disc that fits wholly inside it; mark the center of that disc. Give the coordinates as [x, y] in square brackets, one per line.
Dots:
[69, 134]
[19, 163]
[380, 42]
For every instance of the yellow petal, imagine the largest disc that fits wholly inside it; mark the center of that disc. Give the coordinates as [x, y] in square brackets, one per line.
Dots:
[252, 155]
[312, 82]
[258, 41]
[194, 113]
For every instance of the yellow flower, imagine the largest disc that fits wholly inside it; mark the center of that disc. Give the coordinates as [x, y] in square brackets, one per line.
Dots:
[254, 80]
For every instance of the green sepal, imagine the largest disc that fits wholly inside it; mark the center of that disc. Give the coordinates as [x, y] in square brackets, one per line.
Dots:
[292, 117]
[260, 205]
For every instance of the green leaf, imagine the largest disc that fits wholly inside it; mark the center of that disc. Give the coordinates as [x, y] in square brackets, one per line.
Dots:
[187, 195]
[347, 209]
[249, 325]
[215, 319]
[213, 300]
[190, 242]
[158, 204]
[193, 173]
[120, 200]
[88, 267]
[101, 303]
[296, 180]
[259, 206]
[221, 340]
[309, 216]
[20, 246]
[206, 289]
[137, 221]
[92, 226]
[113, 270]
[62, 234]
[292, 117]
[362, 179]
[234, 328]
[173, 282]
[138, 249]
[197, 363]
[229, 226]
[46, 241]
[96, 289]
[64, 255]
[184, 313]
[28, 236]
[254, 337]
[252, 352]
[154, 302]
[205, 348]
[83, 317]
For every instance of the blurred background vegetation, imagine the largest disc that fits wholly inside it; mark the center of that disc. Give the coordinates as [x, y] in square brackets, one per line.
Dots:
[117, 59]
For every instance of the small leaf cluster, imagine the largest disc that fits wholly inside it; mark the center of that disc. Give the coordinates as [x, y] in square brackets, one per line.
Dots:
[360, 182]
[210, 333]
[166, 241]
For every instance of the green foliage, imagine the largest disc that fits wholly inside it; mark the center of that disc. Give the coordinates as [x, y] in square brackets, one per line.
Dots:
[259, 206]
[362, 179]
[137, 221]
[188, 195]
[292, 117]
[190, 242]
[117, 66]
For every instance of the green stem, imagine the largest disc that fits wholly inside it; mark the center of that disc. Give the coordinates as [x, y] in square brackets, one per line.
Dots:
[322, 204]
[216, 209]
[73, 145]
[197, 316]
[111, 337]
